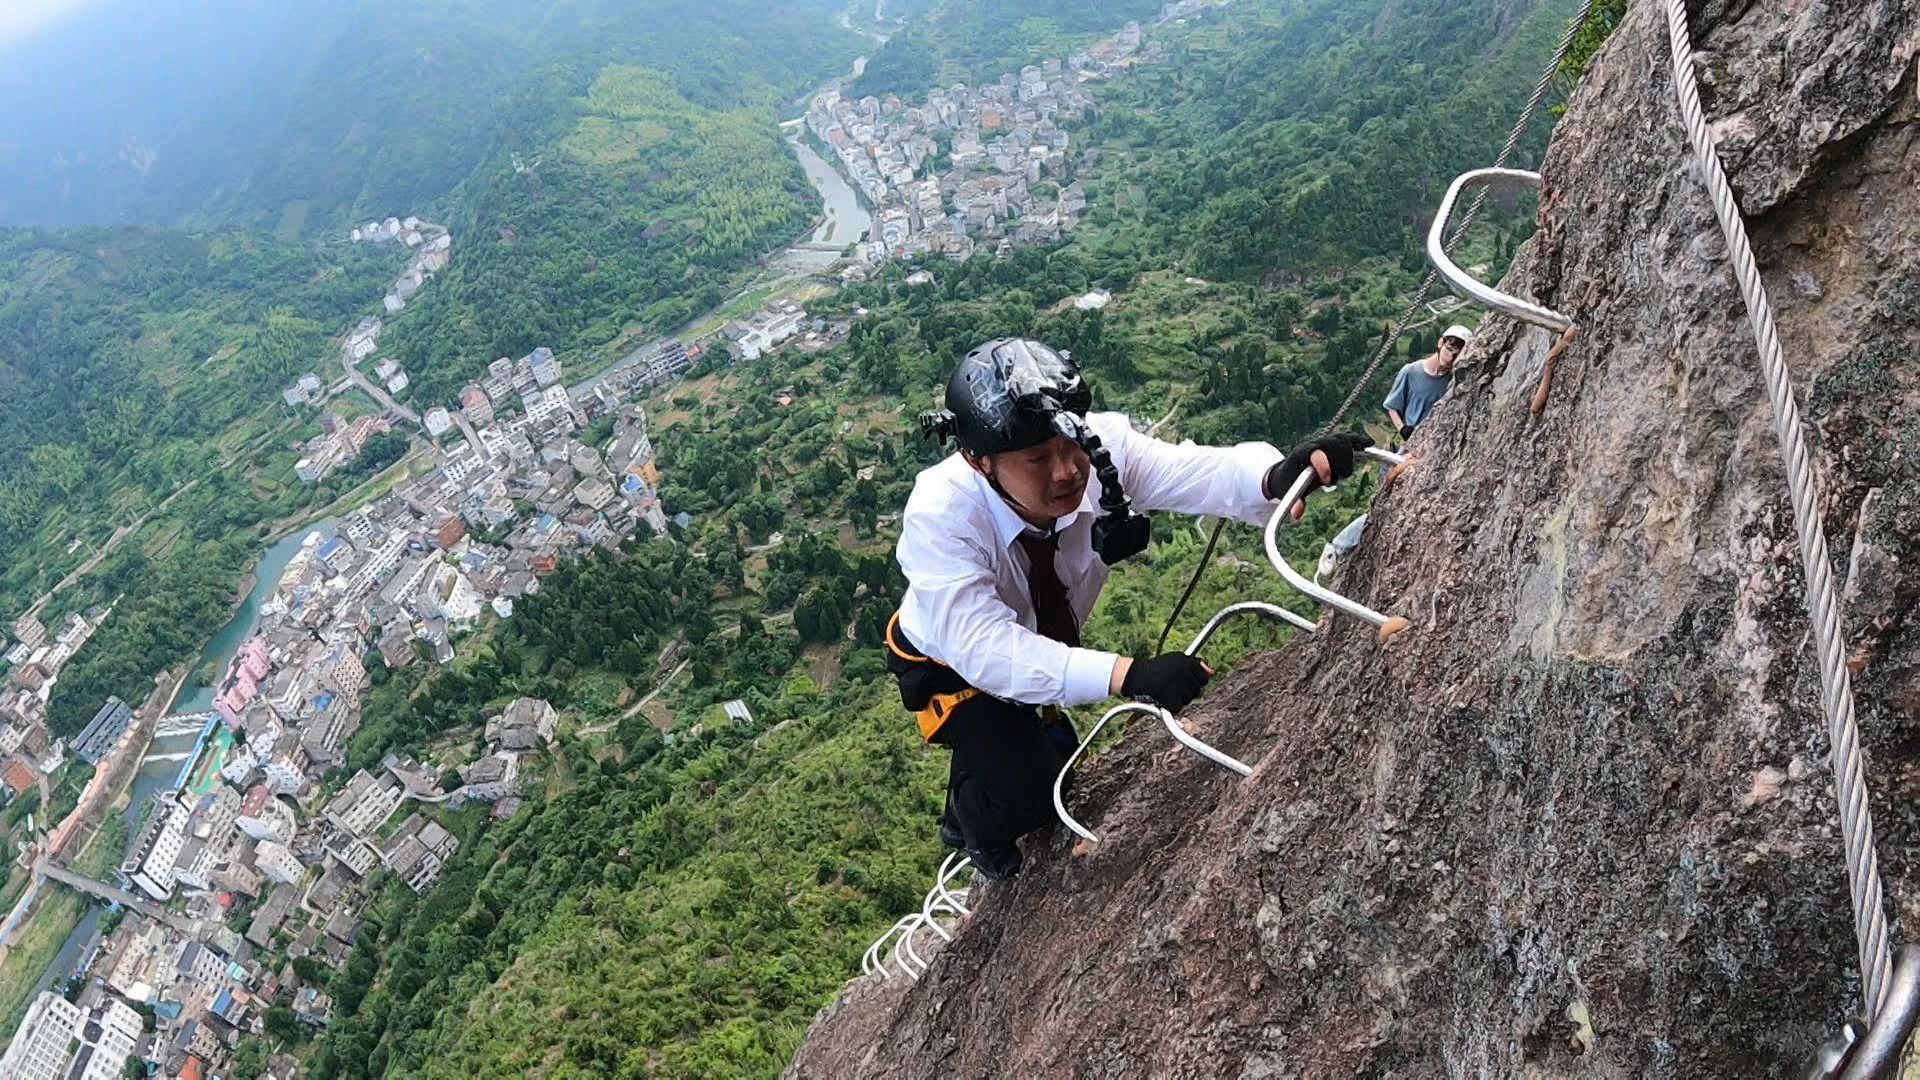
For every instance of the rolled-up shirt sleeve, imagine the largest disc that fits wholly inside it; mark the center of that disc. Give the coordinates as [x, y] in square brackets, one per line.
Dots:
[954, 614]
[1224, 481]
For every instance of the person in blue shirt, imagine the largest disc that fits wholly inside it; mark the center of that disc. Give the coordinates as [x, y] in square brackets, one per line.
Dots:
[1422, 383]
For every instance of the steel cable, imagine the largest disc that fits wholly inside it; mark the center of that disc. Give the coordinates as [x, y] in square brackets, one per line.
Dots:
[1836, 699]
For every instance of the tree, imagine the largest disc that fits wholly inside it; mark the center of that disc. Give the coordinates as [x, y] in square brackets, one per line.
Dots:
[282, 1024]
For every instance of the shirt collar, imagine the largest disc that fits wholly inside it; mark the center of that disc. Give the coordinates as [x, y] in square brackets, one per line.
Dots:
[1007, 522]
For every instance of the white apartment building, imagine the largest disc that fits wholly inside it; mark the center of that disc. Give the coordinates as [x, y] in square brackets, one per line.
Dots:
[278, 862]
[151, 867]
[59, 1041]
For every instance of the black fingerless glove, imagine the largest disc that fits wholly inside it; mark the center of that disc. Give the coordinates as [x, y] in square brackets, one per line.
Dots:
[1170, 680]
[1340, 449]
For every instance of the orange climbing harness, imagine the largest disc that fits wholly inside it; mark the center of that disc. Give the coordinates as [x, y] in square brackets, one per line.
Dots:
[930, 689]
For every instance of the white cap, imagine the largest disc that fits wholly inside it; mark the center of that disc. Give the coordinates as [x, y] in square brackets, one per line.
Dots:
[1457, 331]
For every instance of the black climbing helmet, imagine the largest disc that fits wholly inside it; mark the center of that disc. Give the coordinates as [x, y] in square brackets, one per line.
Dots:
[1012, 394]
[1008, 394]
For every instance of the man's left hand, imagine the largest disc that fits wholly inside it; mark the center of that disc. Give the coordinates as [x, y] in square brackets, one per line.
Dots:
[1331, 460]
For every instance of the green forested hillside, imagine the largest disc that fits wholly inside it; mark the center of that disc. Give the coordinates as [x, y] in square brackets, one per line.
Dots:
[605, 166]
[633, 217]
[135, 362]
[312, 116]
[1289, 139]
[122, 350]
[684, 911]
[978, 41]
[677, 911]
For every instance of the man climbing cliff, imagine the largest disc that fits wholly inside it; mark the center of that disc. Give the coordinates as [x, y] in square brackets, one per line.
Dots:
[1005, 545]
[1422, 383]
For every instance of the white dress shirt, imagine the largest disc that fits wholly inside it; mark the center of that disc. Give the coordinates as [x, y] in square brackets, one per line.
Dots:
[967, 603]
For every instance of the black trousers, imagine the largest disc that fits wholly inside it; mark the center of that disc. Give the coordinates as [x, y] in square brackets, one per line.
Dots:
[1000, 785]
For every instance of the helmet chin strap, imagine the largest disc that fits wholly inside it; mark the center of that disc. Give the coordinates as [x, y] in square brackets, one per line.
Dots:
[994, 483]
[1119, 532]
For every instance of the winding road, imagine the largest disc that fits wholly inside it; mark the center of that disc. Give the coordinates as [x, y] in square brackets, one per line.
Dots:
[376, 392]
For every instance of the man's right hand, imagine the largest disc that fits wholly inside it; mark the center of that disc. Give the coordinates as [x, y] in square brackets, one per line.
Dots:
[1330, 460]
[1170, 680]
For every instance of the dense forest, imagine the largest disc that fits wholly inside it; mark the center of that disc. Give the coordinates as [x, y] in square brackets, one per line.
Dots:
[1290, 139]
[123, 351]
[682, 904]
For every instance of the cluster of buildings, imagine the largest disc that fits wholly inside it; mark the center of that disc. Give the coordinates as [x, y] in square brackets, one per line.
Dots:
[35, 658]
[236, 846]
[339, 443]
[532, 382]
[59, 1040]
[305, 390]
[403, 575]
[300, 873]
[432, 248]
[250, 834]
[298, 866]
[749, 338]
[1007, 180]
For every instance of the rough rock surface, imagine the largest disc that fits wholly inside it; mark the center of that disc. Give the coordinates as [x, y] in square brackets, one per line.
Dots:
[1592, 779]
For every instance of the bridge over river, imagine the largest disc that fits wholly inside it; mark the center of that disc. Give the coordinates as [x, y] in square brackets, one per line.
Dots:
[102, 890]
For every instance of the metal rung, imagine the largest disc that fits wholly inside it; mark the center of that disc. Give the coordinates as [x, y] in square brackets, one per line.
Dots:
[1877, 1055]
[876, 955]
[1466, 284]
[1059, 805]
[1198, 746]
[1388, 624]
[903, 949]
[940, 896]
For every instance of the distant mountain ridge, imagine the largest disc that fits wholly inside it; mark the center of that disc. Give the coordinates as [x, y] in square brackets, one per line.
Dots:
[312, 115]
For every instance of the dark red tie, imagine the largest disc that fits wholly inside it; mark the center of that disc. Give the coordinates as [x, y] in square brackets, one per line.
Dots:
[1051, 609]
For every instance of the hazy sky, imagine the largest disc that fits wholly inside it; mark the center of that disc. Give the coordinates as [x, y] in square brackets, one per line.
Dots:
[19, 19]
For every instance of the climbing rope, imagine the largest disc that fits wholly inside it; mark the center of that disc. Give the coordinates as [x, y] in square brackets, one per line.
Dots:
[1849, 772]
[1466, 220]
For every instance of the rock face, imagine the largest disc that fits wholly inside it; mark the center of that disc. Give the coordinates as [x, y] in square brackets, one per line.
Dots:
[1591, 780]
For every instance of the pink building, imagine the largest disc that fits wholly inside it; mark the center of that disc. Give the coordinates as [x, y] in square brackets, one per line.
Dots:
[242, 682]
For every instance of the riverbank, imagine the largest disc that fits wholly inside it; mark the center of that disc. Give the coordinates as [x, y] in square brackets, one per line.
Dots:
[257, 584]
[54, 929]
